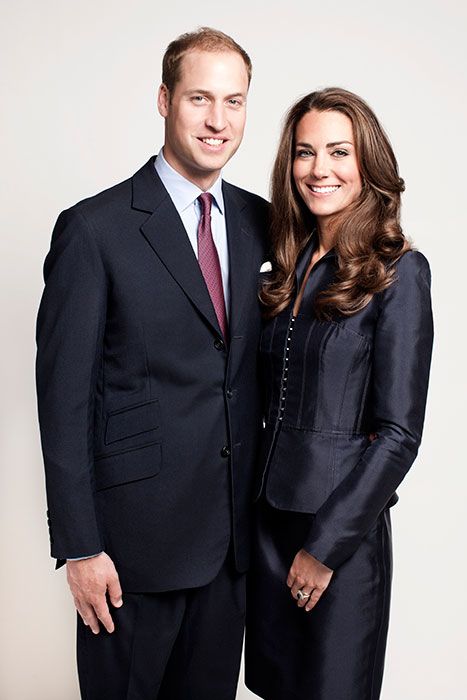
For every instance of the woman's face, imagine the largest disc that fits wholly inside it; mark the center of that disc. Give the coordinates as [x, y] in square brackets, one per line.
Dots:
[325, 167]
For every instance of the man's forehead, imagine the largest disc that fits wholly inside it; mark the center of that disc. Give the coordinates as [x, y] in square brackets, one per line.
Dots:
[201, 60]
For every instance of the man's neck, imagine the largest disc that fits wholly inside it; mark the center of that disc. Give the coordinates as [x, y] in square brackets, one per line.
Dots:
[202, 180]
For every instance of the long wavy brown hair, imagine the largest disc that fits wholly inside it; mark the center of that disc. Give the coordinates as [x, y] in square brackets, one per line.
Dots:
[368, 234]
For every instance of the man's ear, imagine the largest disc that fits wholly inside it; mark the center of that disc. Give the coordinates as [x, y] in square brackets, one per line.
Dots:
[163, 100]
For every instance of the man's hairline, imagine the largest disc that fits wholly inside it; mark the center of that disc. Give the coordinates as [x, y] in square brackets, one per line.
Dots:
[197, 49]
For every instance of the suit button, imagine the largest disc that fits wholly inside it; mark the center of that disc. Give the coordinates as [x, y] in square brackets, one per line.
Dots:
[219, 344]
[229, 393]
[225, 452]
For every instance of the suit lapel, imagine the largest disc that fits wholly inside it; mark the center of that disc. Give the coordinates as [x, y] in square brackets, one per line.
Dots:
[240, 243]
[166, 235]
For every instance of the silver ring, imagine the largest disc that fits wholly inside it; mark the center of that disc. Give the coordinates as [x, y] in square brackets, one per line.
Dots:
[302, 596]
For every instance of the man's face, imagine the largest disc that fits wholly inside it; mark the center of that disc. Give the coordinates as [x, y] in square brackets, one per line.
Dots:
[205, 114]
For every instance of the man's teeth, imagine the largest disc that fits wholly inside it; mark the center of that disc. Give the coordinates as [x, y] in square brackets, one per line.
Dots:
[213, 142]
[325, 190]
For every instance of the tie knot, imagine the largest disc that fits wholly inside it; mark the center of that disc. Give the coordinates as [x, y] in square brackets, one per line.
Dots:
[205, 201]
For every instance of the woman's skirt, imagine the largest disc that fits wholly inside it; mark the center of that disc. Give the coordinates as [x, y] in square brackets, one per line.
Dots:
[335, 651]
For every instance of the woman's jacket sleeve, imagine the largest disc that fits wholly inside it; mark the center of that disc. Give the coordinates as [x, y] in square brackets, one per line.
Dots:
[401, 363]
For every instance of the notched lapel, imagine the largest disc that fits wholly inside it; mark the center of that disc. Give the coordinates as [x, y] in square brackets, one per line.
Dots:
[165, 233]
[240, 243]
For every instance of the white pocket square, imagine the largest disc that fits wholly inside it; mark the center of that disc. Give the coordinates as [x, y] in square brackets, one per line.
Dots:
[266, 267]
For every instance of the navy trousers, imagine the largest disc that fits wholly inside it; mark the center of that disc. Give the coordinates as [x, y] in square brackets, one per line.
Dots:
[179, 645]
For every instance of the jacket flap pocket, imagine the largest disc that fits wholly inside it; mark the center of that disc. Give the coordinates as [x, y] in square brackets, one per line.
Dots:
[133, 420]
[130, 465]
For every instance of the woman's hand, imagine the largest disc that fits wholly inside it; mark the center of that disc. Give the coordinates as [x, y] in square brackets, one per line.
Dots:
[309, 576]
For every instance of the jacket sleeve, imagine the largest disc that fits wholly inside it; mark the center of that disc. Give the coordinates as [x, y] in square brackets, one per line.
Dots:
[401, 363]
[69, 340]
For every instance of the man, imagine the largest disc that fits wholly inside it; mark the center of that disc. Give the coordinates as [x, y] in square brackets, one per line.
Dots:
[148, 403]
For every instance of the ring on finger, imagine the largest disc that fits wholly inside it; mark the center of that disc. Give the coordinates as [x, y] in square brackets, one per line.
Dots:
[302, 596]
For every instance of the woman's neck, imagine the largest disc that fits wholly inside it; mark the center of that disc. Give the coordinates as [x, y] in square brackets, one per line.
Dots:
[325, 240]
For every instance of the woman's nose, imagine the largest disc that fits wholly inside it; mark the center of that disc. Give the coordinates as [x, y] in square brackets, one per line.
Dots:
[320, 167]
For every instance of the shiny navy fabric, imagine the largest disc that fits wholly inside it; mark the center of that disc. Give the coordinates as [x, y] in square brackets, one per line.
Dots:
[334, 652]
[349, 378]
[326, 486]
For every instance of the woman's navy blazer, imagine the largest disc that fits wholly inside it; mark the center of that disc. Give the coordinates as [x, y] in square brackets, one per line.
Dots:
[347, 379]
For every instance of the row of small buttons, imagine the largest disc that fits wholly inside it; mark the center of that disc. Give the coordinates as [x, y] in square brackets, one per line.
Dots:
[285, 371]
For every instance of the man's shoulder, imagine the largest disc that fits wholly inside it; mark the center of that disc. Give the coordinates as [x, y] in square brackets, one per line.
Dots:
[104, 203]
[249, 198]
[110, 202]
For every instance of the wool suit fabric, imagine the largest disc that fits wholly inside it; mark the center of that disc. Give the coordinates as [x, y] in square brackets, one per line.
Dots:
[149, 418]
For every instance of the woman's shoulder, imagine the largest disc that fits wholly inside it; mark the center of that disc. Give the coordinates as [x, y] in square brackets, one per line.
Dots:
[412, 262]
[411, 281]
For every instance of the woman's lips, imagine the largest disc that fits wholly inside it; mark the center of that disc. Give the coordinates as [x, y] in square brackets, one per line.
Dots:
[323, 190]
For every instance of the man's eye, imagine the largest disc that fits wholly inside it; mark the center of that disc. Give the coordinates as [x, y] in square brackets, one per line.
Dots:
[234, 102]
[198, 98]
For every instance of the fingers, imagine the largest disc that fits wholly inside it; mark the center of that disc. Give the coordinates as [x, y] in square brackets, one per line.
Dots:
[297, 585]
[315, 596]
[88, 616]
[89, 581]
[103, 613]
[314, 591]
[306, 594]
[91, 613]
[115, 592]
[310, 576]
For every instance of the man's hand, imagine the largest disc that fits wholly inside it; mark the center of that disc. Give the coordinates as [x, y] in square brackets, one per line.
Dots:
[310, 576]
[89, 581]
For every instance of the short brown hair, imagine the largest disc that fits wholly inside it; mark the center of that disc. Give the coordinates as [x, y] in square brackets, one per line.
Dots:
[203, 39]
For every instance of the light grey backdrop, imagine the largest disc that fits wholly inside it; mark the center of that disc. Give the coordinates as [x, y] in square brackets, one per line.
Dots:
[78, 110]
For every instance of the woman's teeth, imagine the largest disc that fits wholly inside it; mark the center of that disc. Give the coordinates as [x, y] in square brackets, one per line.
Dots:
[324, 190]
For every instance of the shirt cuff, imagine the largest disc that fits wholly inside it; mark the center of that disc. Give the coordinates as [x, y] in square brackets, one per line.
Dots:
[89, 556]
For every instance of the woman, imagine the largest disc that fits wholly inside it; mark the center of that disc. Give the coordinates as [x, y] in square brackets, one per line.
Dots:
[345, 353]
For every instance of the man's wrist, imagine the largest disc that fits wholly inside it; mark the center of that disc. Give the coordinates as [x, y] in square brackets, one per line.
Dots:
[89, 556]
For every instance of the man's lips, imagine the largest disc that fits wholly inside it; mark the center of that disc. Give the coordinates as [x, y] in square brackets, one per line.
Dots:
[211, 141]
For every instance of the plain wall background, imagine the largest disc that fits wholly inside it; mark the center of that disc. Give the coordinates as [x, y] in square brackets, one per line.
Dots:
[79, 114]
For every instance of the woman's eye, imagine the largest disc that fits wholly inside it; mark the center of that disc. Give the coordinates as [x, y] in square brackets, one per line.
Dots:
[340, 152]
[303, 153]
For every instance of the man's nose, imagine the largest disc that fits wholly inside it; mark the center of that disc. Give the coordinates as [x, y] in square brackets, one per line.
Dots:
[216, 119]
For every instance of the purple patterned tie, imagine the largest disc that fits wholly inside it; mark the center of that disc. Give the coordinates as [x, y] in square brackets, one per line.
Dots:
[209, 261]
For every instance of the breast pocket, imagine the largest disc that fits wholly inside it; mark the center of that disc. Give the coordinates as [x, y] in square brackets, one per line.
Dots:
[132, 440]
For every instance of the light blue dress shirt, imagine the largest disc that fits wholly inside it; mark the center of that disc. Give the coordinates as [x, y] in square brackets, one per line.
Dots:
[184, 194]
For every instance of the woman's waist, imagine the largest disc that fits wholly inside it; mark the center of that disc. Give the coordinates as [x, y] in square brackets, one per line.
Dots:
[300, 468]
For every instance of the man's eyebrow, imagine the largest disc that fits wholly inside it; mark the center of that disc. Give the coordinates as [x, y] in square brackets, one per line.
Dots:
[200, 91]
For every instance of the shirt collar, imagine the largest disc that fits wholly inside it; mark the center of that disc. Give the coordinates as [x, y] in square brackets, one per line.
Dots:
[184, 193]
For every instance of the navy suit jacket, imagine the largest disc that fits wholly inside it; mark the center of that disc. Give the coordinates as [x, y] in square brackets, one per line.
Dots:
[149, 421]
